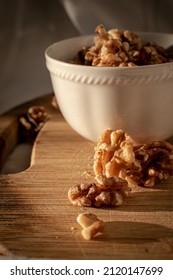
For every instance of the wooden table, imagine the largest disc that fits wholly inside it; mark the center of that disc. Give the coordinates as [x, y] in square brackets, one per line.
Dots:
[38, 221]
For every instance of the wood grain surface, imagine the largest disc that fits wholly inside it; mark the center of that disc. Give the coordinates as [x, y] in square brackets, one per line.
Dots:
[38, 221]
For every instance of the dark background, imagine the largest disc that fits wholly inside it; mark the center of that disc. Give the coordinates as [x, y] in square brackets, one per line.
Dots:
[27, 28]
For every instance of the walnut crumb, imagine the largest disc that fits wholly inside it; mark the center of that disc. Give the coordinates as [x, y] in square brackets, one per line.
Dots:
[54, 102]
[91, 225]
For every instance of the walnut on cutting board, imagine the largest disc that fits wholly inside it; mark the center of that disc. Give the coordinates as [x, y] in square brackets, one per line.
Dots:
[119, 166]
[91, 225]
[155, 163]
[32, 122]
[140, 165]
[34, 119]
[93, 195]
[113, 156]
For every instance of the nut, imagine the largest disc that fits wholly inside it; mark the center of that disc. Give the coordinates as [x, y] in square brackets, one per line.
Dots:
[86, 220]
[120, 165]
[91, 231]
[91, 225]
[54, 102]
[120, 48]
[34, 119]
[37, 115]
[113, 155]
[116, 155]
[155, 163]
[92, 195]
[32, 122]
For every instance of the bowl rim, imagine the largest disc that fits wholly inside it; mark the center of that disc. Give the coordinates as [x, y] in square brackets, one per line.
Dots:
[102, 68]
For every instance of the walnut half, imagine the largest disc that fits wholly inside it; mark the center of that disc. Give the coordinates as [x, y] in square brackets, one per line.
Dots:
[155, 163]
[140, 165]
[113, 156]
[92, 195]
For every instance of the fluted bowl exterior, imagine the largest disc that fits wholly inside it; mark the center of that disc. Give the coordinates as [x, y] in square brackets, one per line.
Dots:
[136, 99]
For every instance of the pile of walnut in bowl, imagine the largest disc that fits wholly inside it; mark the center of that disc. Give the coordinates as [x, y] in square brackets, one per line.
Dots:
[121, 48]
[119, 166]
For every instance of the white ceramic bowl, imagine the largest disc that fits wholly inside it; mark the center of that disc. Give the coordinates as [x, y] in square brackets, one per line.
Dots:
[138, 100]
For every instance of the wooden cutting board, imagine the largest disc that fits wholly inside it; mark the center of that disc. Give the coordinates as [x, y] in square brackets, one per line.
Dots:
[38, 221]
